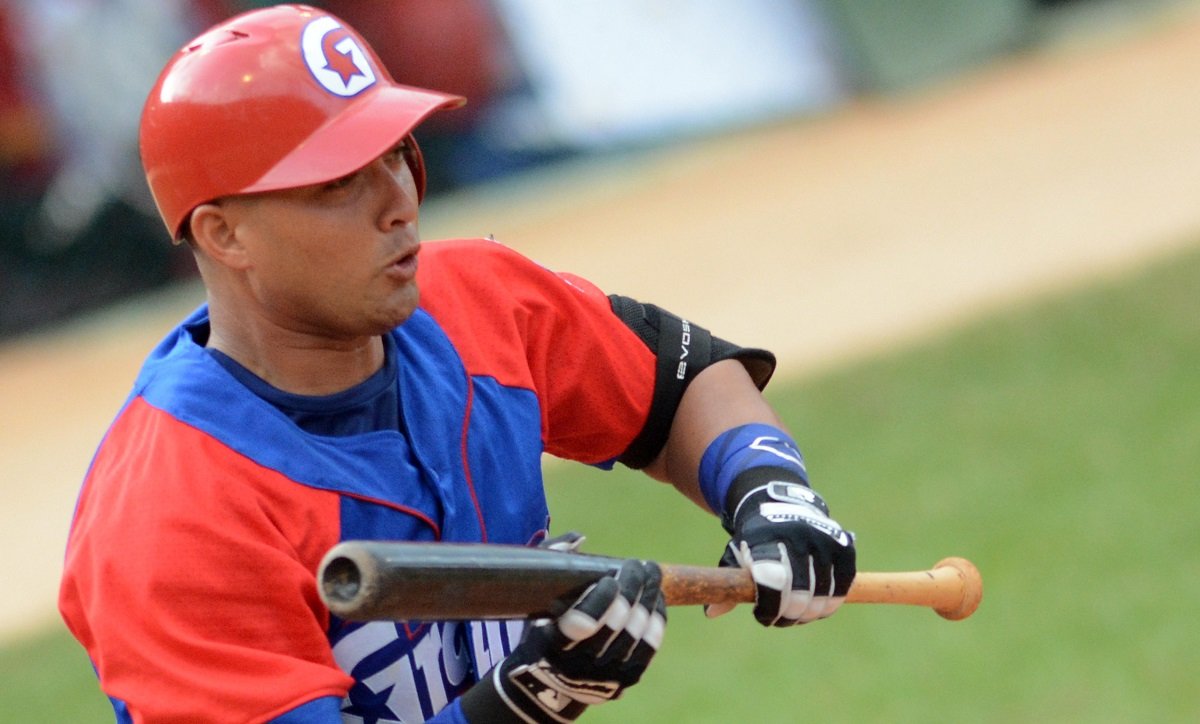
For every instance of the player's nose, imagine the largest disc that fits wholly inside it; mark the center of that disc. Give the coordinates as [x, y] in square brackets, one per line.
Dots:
[397, 193]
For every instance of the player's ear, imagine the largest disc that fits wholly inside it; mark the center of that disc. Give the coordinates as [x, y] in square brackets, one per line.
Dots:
[213, 232]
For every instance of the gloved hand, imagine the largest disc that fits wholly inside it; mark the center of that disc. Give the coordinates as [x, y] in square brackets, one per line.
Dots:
[802, 561]
[600, 645]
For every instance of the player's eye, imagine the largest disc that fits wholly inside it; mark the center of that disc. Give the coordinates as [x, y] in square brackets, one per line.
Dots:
[340, 183]
[398, 153]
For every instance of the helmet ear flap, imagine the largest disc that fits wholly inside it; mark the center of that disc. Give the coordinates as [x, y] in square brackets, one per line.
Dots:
[416, 164]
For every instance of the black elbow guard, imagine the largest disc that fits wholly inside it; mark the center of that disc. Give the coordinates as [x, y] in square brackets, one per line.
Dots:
[683, 350]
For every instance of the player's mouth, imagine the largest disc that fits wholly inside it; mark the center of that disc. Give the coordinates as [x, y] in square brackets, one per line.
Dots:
[403, 267]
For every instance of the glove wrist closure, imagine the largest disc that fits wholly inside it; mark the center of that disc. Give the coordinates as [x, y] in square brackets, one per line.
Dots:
[749, 482]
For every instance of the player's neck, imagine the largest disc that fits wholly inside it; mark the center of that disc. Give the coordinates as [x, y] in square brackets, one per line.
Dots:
[296, 362]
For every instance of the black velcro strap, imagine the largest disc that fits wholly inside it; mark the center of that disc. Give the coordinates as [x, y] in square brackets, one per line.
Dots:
[747, 481]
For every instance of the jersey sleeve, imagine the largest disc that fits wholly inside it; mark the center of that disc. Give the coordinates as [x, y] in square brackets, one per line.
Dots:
[193, 588]
[552, 333]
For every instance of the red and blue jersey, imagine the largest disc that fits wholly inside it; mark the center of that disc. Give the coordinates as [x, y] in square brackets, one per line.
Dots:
[190, 569]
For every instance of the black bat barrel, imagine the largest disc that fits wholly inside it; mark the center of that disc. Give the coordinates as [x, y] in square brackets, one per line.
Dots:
[383, 580]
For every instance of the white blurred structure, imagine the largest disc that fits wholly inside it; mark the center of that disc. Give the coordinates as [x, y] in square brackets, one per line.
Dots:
[96, 60]
[606, 72]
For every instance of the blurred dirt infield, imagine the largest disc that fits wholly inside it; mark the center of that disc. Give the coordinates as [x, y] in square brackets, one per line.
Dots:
[823, 239]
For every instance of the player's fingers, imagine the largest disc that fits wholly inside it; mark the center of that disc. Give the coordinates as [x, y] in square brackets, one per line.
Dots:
[832, 604]
[584, 622]
[713, 610]
[628, 623]
[834, 583]
[650, 609]
[647, 622]
[821, 604]
[844, 568]
[773, 574]
[821, 566]
[798, 599]
[729, 559]
[821, 574]
[841, 574]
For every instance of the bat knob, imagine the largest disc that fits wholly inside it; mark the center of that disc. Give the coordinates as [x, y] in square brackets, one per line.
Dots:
[971, 583]
[341, 580]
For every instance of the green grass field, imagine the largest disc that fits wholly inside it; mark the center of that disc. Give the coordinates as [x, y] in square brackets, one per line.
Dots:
[1056, 445]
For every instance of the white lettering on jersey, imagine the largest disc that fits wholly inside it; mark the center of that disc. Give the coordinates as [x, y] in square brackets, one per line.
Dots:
[403, 676]
[493, 640]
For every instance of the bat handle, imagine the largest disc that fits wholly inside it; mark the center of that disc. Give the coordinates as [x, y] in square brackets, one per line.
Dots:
[953, 587]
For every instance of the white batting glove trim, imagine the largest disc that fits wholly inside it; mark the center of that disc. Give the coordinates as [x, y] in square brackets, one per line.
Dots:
[835, 602]
[560, 691]
[568, 542]
[655, 630]
[803, 605]
[617, 614]
[577, 625]
[746, 497]
[512, 705]
[639, 619]
[824, 606]
[769, 573]
[811, 514]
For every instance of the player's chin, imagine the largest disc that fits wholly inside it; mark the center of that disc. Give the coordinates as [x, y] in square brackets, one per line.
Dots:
[395, 309]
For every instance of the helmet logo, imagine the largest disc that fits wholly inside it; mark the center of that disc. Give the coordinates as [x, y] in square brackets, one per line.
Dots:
[335, 58]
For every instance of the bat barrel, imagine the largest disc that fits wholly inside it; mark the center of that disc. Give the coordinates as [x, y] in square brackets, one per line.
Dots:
[374, 580]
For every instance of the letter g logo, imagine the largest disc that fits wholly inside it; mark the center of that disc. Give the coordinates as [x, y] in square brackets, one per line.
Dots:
[335, 59]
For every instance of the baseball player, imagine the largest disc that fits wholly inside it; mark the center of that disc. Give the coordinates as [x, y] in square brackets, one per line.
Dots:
[345, 380]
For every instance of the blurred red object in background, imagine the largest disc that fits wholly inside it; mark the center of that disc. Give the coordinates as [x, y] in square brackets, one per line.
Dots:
[456, 46]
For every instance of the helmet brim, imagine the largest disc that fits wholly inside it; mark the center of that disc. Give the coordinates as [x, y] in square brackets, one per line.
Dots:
[355, 137]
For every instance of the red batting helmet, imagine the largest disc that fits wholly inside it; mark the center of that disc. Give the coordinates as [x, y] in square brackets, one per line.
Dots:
[276, 98]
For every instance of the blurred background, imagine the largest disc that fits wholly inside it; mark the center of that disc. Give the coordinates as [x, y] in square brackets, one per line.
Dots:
[968, 227]
[547, 81]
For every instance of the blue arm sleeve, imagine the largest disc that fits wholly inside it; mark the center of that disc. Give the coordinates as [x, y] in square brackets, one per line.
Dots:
[328, 710]
[741, 448]
[452, 714]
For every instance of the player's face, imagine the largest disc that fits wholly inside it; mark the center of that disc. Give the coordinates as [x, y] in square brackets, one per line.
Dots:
[337, 259]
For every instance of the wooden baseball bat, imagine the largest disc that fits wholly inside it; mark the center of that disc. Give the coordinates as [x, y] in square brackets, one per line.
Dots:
[383, 580]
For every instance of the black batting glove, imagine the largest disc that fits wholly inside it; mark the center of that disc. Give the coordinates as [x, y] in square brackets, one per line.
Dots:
[599, 646]
[802, 561]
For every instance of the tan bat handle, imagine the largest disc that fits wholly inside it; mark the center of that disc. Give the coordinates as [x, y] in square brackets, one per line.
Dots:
[953, 588]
